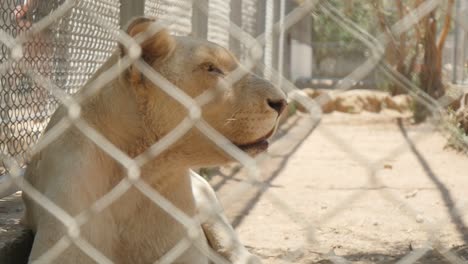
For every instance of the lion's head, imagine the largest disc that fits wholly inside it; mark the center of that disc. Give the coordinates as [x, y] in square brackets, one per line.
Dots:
[246, 111]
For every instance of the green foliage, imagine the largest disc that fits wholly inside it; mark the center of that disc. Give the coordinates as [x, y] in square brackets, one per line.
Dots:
[330, 39]
[454, 139]
[292, 108]
[208, 173]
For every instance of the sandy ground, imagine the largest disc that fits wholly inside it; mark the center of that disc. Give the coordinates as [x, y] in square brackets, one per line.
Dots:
[356, 189]
[359, 189]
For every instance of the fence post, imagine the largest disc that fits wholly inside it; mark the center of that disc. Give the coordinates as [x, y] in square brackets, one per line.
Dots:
[463, 41]
[268, 55]
[200, 19]
[275, 34]
[281, 41]
[260, 18]
[236, 18]
[130, 9]
[298, 49]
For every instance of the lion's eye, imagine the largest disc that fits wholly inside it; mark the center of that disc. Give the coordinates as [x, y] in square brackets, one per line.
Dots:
[213, 69]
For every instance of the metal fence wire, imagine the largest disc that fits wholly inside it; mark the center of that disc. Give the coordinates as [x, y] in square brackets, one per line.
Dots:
[66, 52]
[50, 49]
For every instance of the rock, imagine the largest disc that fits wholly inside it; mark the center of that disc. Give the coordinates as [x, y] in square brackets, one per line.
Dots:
[328, 102]
[313, 93]
[401, 103]
[419, 218]
[325, 97]
[411, 194]
[388, 166]
[356, 101]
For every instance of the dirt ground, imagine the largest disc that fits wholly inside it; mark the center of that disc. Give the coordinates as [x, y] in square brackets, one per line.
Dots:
[356, 189]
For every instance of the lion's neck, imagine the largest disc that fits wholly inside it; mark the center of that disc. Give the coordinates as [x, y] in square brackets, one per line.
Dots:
[171, 183]
[117, 113]
[113, 112]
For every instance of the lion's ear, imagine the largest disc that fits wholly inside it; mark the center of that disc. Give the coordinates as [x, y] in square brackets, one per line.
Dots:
[156, 46]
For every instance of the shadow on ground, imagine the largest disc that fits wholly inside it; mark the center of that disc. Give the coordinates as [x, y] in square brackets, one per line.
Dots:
[458, 254]
[430, 257]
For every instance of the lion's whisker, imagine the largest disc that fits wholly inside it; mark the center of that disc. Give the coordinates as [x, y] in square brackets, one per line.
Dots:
[229, 120]
[232, 118]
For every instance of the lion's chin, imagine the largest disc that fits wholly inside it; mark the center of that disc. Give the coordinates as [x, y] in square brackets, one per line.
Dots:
[256, 147]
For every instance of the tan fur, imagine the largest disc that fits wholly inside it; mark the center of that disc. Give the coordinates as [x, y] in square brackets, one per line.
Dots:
[133, 114]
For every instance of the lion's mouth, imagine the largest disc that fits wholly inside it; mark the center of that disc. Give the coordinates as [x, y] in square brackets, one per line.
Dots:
[260, 144]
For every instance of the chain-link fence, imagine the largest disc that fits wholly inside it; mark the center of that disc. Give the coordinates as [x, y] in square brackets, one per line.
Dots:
[50, 49]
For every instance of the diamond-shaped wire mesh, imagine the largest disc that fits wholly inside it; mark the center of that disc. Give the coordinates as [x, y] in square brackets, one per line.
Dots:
[50, 49]
[60, 49]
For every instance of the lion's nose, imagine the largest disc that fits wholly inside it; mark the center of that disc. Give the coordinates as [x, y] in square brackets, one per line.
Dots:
[277, 105]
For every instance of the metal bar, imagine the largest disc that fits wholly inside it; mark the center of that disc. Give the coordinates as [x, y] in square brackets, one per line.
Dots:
[199, 19]
[130, 9]
[236, 18]
[282, 8]
[455, 49]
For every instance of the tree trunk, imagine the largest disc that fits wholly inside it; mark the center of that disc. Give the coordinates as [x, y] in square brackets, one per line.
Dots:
[397, 48]
[431, 73]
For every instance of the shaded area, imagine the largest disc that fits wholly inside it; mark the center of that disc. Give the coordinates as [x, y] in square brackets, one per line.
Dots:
[431, 257]
[444, 192]
[394, 255]
[11, 210]
[18, 250]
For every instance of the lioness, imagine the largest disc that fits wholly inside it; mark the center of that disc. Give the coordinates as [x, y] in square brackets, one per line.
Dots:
[133, 113]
